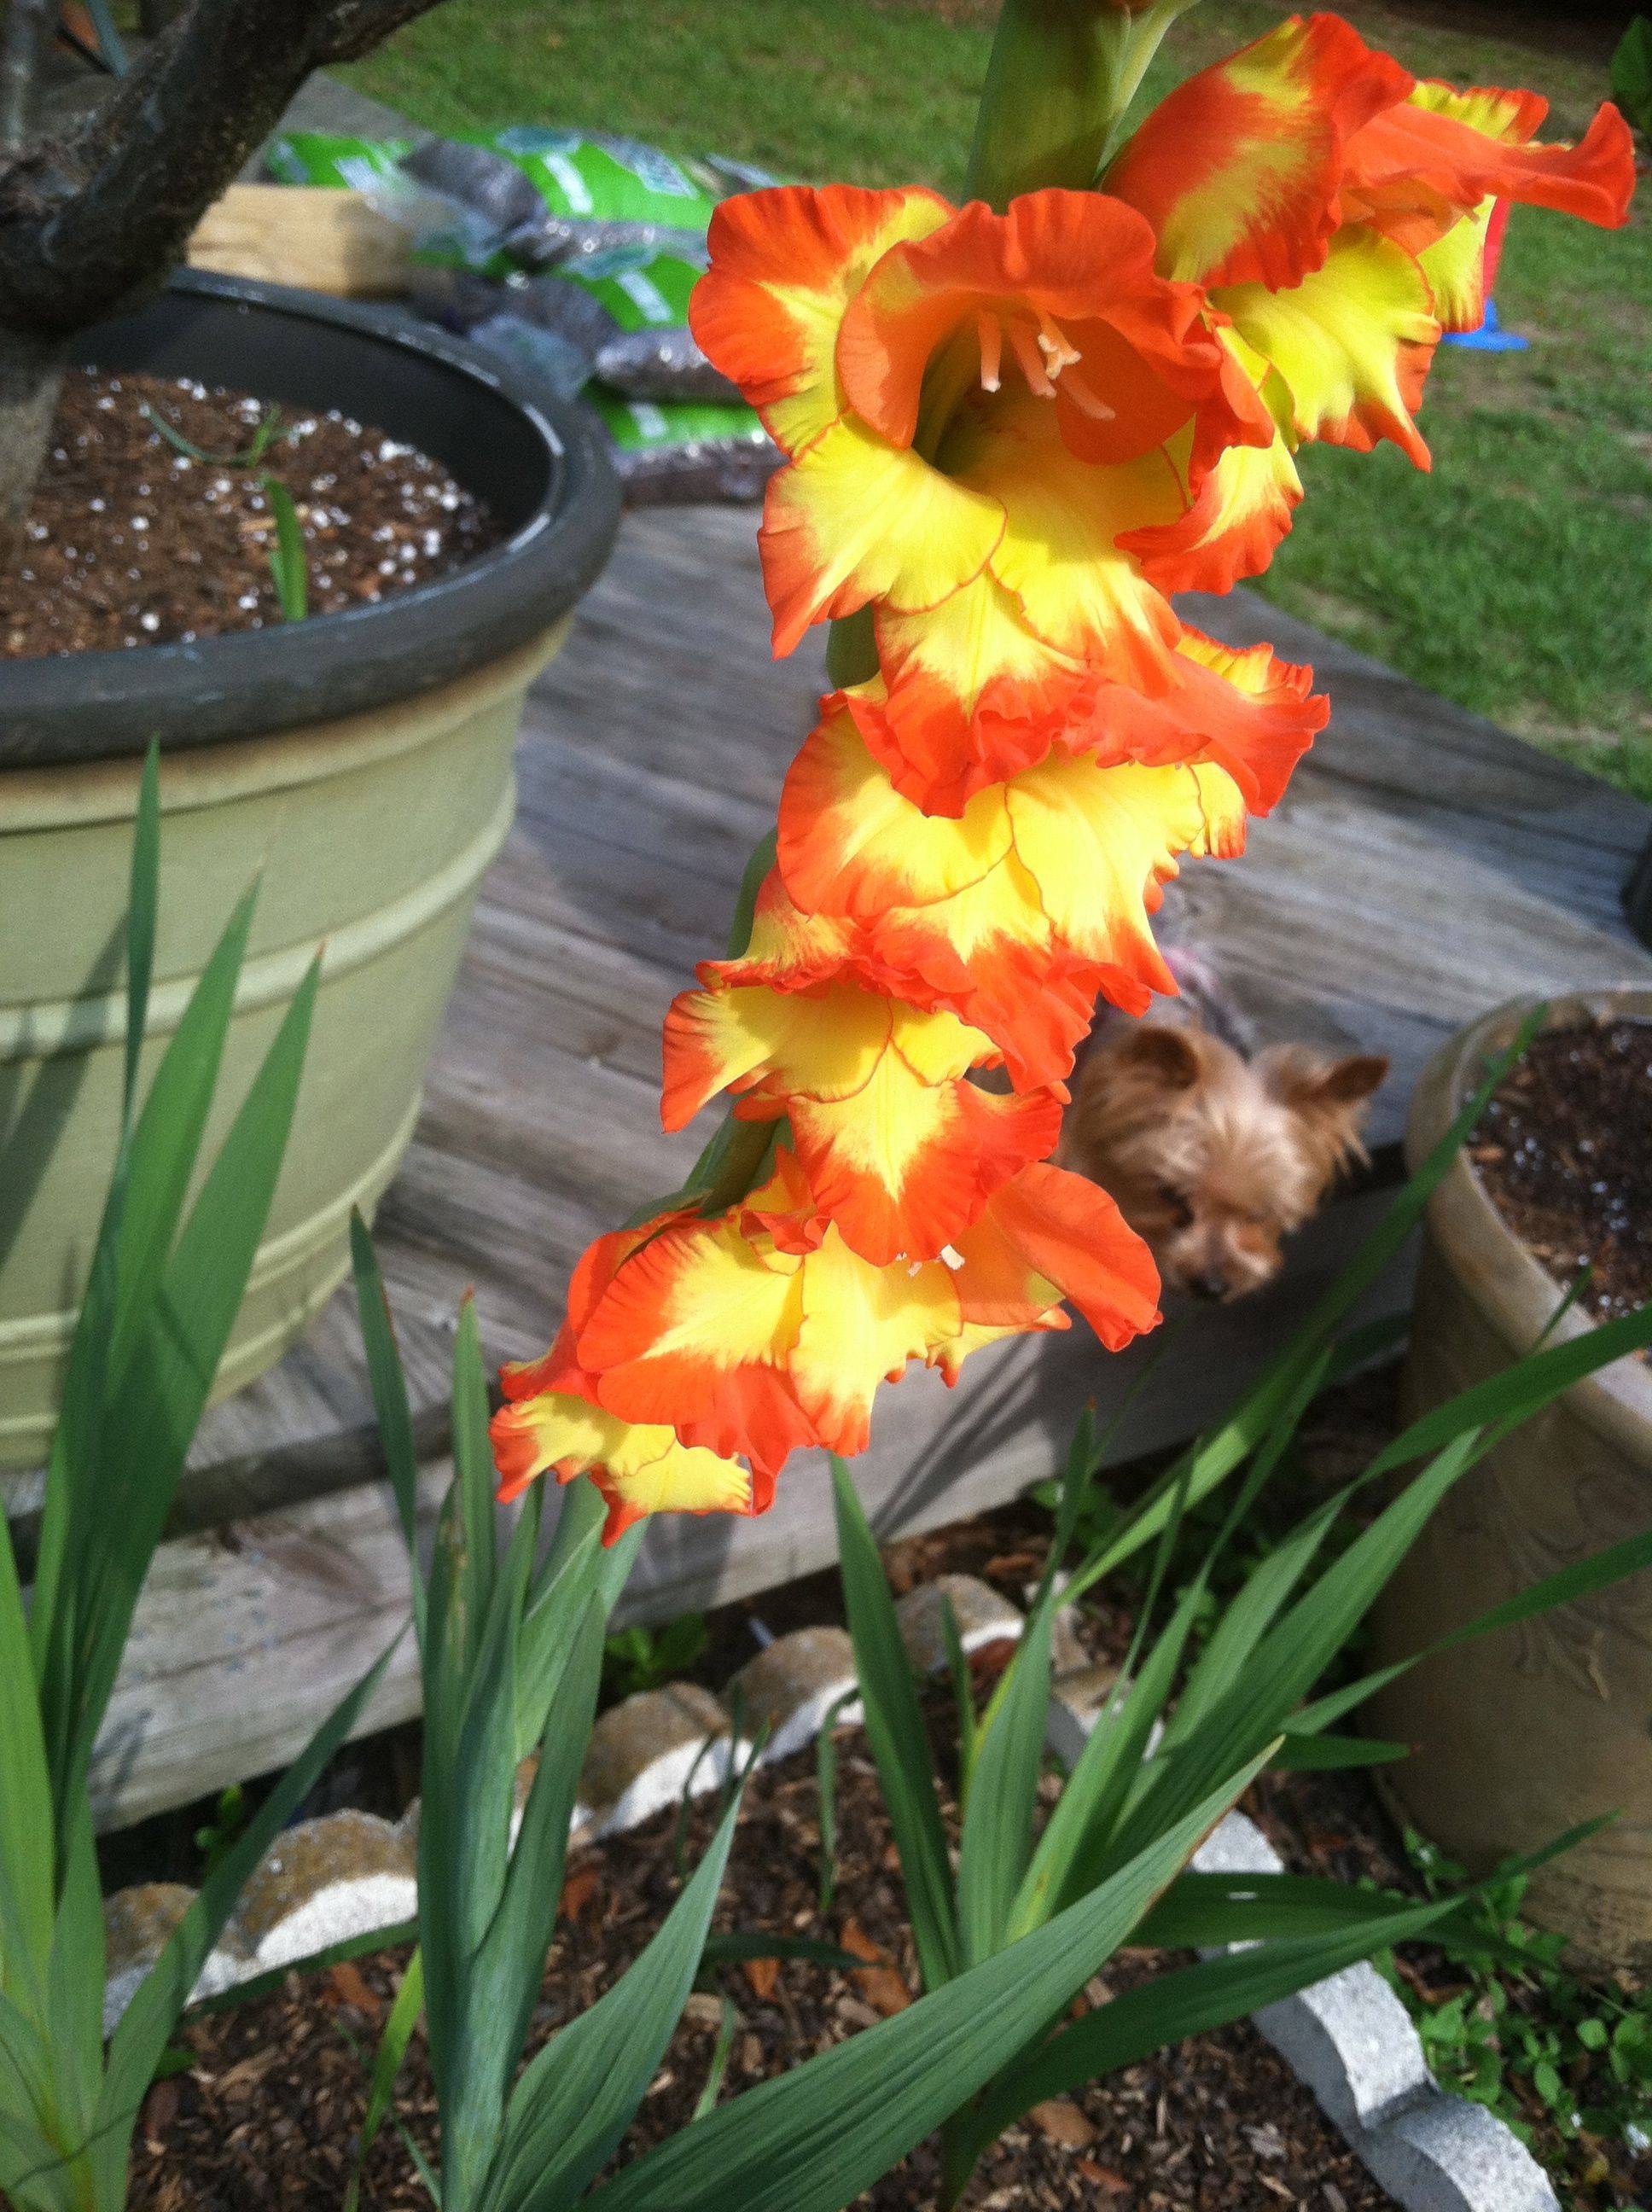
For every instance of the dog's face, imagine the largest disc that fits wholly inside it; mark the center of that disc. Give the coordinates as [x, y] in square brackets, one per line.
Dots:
[1214, 1159]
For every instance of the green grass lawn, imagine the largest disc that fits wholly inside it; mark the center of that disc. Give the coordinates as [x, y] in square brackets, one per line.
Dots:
[1516, 579]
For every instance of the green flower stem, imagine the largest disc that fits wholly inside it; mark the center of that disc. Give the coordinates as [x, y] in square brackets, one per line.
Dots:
[1061, 75]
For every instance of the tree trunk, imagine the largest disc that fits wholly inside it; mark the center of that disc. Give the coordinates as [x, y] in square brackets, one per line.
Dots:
[95, 218]
[31, 369]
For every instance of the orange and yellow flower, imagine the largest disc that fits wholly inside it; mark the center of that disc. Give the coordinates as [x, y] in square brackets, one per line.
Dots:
[693, 1344]
[975, 408]
[900, 1148]
[1335, 210]
[1010, 437]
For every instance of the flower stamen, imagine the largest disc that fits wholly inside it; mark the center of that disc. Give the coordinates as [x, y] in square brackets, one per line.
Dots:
[991, 335]
[1032, 367]
[1058, 349]
[1087, 401]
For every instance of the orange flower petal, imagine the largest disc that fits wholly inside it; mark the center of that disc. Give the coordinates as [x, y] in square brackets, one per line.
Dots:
[784, 265]
[1237, 170]
[1467, 147]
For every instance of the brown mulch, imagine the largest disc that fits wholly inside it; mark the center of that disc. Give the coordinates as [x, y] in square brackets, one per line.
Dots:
[1562, 1150]
[129, 542]
[266, 2116]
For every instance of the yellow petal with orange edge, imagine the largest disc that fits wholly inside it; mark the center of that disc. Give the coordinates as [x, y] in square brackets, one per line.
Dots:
[826, 1043]
[1352, 342]
[902, 1168]
[861, 1325]
[974, 694]
[1243, 505]
[1454, 266]
[855, 519]
[851, 843]
[1060, 557]
[695, 1329]
[1102, 841]
[639, 1468]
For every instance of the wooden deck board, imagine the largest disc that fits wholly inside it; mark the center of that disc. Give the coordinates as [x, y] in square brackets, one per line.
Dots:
[1423, 867]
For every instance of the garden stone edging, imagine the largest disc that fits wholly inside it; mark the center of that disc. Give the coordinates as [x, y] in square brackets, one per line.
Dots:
[349, 1875]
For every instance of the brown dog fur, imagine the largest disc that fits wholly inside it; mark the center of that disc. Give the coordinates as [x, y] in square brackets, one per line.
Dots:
[1214, 1158]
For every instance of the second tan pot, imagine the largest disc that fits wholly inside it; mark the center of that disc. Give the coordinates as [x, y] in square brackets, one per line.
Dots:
[1522, 1735]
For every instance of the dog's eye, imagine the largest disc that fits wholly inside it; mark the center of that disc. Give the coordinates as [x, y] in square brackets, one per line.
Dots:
[1176, 1205]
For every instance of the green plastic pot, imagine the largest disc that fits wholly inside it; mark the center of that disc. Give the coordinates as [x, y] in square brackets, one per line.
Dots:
[360, 765]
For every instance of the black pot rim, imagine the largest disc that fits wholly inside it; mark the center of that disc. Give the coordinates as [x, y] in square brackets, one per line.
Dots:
[73, 708]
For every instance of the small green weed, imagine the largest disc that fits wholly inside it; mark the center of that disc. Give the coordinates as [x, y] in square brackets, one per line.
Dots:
[638, 1658]
[1561, 2060]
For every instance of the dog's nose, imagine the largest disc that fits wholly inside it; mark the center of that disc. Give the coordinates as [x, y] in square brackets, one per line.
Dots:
[1212, 1285]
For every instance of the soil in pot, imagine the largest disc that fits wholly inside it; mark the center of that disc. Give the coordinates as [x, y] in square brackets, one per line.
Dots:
[133, 539]
[267, 2113]
[1564, 1151]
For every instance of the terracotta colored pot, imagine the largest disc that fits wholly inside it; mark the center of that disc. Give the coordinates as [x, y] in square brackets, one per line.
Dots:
[1522, 1735]
[360, 764]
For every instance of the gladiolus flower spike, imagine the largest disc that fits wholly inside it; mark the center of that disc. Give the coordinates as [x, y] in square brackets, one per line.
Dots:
[1010, 437]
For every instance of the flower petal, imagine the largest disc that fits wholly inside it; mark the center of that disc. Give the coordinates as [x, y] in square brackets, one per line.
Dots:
[861, 1325]
[1059, 556]
[1466, 147]
[1102, 842]
[1353, 342]
[696, 1329]
[852, 844]
[974, 695]
[638, 1469]
[1237, 170]
[784, 265]
[855, 519]
[1072, 1235]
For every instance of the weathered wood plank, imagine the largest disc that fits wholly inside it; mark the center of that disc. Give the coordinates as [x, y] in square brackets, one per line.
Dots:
[1423, 866]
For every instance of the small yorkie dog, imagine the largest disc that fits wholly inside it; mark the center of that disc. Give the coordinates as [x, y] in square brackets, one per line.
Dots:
[1214, 1155]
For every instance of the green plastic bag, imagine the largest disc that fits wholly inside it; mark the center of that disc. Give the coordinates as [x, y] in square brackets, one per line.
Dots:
[685, 449]
[322, 157]
[594, 183]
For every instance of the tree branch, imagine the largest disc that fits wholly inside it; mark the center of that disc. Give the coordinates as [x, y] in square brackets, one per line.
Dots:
[92, 221]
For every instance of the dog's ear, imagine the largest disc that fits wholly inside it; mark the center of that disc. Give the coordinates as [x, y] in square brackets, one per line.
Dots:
[1170, 1052]
[1347, 1082]
[1311, 1084]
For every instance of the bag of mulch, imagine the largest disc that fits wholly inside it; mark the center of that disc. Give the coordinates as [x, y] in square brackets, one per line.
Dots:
[594, 192]
[621, 318]
[325, 157]
[686, 450]
[496, 193]
[629, 312]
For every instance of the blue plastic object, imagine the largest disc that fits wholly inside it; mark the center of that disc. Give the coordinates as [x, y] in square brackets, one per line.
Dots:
[1490, 337]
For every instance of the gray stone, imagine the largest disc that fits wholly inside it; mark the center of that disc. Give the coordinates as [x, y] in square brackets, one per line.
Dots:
[791, 1688]
[137, 1925]
[1067, 1653]
[346, 1875]
[1077, 1700]
[648, 1751]
[1351, 2039]
[982, 1616]
[1446, 2155]
[1236, 1845]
